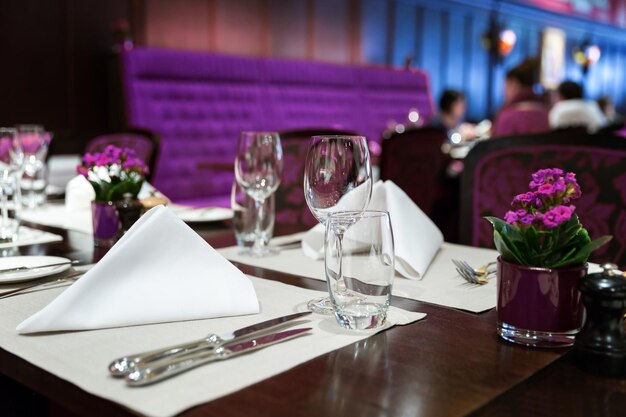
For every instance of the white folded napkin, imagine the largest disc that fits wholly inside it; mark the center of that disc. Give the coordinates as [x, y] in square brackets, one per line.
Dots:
[159, 271]
[417, 239]
[79, 193]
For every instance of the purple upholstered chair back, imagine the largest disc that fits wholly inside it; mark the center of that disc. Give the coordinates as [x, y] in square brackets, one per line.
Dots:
[199, 102]
[497, 170]
[291, 207]
[415, 162]
[144, 142]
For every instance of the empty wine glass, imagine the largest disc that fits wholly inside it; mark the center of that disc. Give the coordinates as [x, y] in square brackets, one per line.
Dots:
[337, 178]
[258, 168]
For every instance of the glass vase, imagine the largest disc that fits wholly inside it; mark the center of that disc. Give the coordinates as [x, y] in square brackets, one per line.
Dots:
[539, 307]
[106, 223]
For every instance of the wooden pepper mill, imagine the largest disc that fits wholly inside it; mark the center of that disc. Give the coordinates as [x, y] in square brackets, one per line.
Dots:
[600, 347]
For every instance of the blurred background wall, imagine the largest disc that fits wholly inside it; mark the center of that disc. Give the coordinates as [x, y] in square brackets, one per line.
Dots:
[54, 52]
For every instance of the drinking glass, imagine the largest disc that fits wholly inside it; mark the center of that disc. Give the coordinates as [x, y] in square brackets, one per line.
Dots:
[359, 268]
[34, 141]
[10, 170]
[337, 177]
[245, 218]
[258, 168]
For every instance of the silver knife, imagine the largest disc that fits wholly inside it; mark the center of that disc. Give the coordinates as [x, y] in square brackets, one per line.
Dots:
[169, 367]
[28, 268]
[126, 364]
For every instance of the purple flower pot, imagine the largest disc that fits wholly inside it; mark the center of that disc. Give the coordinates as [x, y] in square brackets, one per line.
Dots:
[106, 223]
[539, 307]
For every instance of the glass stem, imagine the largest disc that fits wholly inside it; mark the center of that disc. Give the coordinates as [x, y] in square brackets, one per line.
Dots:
[339, 235]
[5, 209]
[259, 244]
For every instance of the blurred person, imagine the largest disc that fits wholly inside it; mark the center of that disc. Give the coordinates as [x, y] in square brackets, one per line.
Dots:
[523, 112]
[452, 108]
[571, 110]
[607, 106]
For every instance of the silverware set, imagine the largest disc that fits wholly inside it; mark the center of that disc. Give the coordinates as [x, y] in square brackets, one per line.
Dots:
[149, 367]
[36, 267]
[476, 276]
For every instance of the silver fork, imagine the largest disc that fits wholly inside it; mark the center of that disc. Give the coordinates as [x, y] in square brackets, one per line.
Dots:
[481, 270]
[474, 275]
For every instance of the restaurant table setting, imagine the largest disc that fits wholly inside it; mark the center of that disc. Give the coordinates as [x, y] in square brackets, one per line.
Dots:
[424, 268]
[75, 213]
[185, 281]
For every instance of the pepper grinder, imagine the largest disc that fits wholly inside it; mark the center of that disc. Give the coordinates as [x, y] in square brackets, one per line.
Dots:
[600, 347]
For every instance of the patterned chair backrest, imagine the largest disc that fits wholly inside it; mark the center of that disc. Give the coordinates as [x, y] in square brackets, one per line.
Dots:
[415, 162]
[498, 169]
[291, 207]
[144, 142]
[199, 102]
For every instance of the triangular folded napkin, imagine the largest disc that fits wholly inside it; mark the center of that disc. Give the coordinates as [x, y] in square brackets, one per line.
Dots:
[417, 239]
[159, 271]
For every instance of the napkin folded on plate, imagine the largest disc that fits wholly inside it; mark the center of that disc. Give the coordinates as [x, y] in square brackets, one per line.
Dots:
[417, 239]
[159, 271]
[79, 193]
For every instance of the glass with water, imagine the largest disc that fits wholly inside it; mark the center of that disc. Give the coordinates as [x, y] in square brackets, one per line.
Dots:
[359, 267]
[245, 217]
[10, 202]
[34, 141]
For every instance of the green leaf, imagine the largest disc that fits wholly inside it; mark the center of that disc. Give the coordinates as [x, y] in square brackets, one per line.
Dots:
[506, 249]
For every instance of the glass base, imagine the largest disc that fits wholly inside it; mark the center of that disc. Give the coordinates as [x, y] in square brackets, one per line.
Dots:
[360, 315]
[104, 243]
[535, 338]
[262, 252]
[321, 306]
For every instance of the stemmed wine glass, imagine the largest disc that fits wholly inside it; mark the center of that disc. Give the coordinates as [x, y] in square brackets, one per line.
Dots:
[11, 160]
[258, 168]
[337, 178]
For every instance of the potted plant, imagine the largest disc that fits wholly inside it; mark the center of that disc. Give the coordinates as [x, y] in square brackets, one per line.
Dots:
[115, 175]
[543, 254]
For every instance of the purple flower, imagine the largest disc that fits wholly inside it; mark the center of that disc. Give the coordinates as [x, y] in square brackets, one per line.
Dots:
[527, 220]
[524, 199]
[80, 169]
[557, 215]
[510, 217]
[544, 176]
[546, 190]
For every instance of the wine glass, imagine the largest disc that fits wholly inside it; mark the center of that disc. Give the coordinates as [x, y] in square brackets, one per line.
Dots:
[10, 171]
[337, 178]
[258, 168]
[34, 142]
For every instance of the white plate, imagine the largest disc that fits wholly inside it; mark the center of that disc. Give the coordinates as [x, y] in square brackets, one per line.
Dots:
[30, 261]
[204, 214]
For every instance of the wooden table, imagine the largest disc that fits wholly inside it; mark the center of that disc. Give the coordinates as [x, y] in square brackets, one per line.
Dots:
[450, 364]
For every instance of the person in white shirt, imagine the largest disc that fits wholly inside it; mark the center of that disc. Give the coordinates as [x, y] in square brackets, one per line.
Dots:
[571, 110]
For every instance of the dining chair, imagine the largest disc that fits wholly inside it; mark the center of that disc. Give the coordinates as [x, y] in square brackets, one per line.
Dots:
[415, 161]
[146, 143]
[291, 207]
[498, 169]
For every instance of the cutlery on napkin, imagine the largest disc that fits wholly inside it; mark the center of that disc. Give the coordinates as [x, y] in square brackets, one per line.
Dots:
[416, 238]
[159, 271]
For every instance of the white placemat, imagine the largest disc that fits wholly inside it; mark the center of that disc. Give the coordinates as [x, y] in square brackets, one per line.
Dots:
[82, 357]
[441, 284]
[56, 215]
[28, 236]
